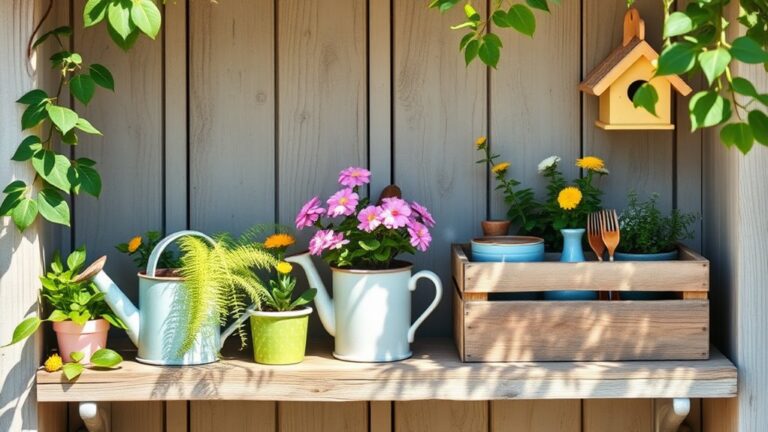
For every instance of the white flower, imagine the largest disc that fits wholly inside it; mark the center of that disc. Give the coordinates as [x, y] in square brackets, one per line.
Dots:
[547, 163]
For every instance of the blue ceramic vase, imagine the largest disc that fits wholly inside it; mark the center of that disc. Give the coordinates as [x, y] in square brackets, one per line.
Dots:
[572, 252]
[647, 295]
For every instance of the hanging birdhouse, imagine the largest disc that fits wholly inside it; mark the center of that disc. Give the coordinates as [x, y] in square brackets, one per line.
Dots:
[616, 80]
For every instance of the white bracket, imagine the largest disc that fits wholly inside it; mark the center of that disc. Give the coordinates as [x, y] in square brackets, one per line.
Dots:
[670, 413]
[97, 417]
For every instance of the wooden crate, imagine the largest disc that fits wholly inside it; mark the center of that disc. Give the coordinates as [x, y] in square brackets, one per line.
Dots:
[488, 330]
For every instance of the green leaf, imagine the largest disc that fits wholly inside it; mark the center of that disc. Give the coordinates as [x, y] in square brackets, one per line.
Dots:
[489, 52]
[34, 114]
[57, 316]
[369, 244]
[646, 97]
[678, 23]
[53, 168]
[714, 62]
[70, 137]
[520, 17]
[747, 50]
[59, 31]
[745, 87]
[305, 297]
[678, 58]
[86, 126]
[102, 76]
[119, 17]
[94, 12]
[72, 370]
[33, 97]
[124, 43]
[147, 17]
[64, 118]
[465, 40]
[538, 4]
[24, 330]
[11, 200]
[470, 52]
[77, 356]
[24, 213]
[708, 108]
[82, 87]
[88, 179]
[471, 13]
[28, 147]
[106, 358]
[15, 186]
[52, 206]
[738, 134]
[758, 121]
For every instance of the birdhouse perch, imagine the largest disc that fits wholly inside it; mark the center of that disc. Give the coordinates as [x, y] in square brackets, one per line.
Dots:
[619, 76]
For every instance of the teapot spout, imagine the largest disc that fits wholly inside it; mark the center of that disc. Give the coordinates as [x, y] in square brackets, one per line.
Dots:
[323, 301]
[114, 297]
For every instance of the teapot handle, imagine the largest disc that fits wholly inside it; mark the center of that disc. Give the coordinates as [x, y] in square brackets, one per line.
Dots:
[154, 257]
[438, 295]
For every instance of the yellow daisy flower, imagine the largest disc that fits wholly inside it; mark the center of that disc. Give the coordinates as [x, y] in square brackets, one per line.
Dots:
[284, 267]
[279, 240]
[569, 198]
[53, 363]
[480, 142]
[592, 163]
[134, 244]
[500, 167]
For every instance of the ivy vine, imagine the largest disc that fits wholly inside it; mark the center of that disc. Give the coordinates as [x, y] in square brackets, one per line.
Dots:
[50, 121]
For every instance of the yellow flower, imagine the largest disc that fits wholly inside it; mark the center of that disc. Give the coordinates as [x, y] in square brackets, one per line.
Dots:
[480, 142]
[592, 163]
[53, 363]
[284, 267]
[134, 244]
[279, 240]
[569, 198]
[500, 168]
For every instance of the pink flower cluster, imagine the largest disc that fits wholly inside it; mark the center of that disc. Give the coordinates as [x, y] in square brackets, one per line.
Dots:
[393, 213]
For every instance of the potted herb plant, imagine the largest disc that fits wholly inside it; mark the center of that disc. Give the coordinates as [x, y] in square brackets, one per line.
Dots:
[80, 316]
[141, 246]
[370, 315]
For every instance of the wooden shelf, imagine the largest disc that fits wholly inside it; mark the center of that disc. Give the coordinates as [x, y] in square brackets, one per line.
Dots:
[434, 372]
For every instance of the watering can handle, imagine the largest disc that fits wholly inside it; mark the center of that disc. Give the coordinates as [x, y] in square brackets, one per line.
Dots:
[154, 257]
[438, 295]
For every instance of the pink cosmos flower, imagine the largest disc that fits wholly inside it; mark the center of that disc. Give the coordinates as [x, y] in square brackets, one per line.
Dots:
[337, 241]
[420, 237]
[309, 214]
[354, 176]
[422, 211]
[326, 239]
[394, 213]
[369, 218]
[342, 202]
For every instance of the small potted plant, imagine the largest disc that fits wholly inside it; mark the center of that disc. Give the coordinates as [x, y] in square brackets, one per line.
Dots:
[80, 317]
[649, 235]
[141, 246]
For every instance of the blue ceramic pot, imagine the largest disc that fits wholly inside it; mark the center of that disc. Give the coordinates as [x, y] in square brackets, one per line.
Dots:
[638, 295]
[508, 249]
[572, 252]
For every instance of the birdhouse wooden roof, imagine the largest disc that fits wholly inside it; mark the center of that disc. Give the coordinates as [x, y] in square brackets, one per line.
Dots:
[622, 58]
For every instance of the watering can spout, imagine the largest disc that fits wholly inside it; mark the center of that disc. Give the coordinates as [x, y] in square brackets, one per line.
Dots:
[325, 308]
[117, 301]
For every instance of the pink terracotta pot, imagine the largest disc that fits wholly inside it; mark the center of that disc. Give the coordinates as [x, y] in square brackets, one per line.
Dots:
[87, 338]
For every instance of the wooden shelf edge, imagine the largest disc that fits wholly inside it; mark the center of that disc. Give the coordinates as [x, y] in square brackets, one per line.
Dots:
[434, 372]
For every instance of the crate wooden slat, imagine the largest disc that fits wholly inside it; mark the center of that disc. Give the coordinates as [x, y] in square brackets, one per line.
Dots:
[491, 330]
[434, 372]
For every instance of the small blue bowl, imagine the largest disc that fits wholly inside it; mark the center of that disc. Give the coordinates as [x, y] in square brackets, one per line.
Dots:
[508, 249]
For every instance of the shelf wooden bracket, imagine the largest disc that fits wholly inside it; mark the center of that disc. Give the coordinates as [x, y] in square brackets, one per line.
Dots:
[96, 416]
[670, 413]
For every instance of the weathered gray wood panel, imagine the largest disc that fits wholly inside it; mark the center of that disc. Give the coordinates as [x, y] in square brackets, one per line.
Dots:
[439, 108]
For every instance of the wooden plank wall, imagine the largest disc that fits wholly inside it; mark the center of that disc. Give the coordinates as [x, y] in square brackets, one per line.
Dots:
[244, 109]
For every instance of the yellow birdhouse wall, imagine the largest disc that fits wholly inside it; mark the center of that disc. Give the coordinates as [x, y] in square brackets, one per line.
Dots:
[617, 110]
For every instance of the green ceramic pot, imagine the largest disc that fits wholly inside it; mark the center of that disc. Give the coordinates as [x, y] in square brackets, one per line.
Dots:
[279, 338]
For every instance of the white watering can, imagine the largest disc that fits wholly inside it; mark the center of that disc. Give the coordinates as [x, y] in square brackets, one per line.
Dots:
[370, 314]
[159, 325]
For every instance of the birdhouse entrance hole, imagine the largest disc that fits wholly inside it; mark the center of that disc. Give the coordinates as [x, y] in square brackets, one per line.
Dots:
[634, 87]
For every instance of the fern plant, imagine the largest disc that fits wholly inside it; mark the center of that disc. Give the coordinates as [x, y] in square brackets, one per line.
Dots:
[220, 278]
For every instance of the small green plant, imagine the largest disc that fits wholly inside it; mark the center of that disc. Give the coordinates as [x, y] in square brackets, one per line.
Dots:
[281, 291]
[78, 301]
[140, 247]
[220, 279]
[645, 230]
[103, 359]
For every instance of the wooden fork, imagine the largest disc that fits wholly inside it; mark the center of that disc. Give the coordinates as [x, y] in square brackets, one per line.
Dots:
[609, 229]
[594, 235]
